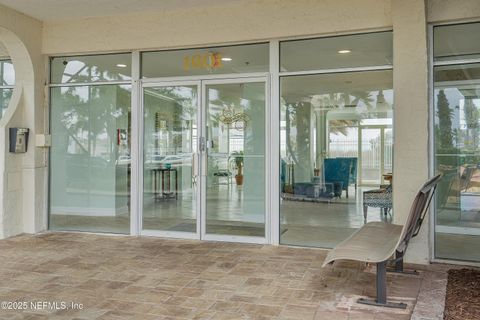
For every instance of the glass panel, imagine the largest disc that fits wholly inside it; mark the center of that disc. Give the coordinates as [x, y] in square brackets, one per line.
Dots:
[78, 69]
[457, 144]
[90, 158]
[387, 152]
[5, 96]
[170, 139]
[371, 155]
[359, 50]
[7, 76]
[7, 73]
[215, 60]
[322, 133]
[458, 41]
[235, 119]
[343, 140]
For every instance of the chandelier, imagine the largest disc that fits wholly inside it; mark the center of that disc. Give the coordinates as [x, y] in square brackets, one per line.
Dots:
[228, 116]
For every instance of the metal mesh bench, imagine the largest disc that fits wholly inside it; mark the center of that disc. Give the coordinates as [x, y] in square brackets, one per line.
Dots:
[380, 242]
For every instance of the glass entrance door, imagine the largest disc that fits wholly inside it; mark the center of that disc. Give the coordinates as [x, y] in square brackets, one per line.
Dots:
[235, 159]
[204, 159]
[170, 184]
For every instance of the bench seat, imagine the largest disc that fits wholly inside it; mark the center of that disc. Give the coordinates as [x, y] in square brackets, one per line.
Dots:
[374, 242]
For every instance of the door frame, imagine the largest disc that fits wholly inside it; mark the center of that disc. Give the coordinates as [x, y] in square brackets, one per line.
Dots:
[141, 118]
[201, 82]
[203, 157]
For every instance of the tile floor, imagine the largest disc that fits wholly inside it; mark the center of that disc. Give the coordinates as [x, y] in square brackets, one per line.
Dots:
[121, 277]
[303, 223]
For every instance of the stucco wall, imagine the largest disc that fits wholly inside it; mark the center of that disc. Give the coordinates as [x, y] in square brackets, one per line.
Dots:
[410, 82]
[23, 176]
[451, 10]
[245, 21]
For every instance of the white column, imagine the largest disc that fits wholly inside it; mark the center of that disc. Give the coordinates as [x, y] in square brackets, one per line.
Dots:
[410, 82]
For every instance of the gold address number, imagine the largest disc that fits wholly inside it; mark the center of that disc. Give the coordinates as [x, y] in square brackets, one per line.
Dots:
[202, 61]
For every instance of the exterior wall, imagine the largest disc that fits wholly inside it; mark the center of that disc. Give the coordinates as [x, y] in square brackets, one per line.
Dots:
[451, 10]
[410, 83]
[23, 189]
[248, 20]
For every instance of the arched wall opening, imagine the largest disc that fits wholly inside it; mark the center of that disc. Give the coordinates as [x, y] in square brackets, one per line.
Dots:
[20, 175]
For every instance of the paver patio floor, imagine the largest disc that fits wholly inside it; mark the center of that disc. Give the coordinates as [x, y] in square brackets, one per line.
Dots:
[122, 277]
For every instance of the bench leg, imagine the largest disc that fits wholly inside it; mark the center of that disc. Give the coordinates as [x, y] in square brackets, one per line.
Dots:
[365, 211]
[399, 262]
[381, 300]
[382, 282]
[398, 268]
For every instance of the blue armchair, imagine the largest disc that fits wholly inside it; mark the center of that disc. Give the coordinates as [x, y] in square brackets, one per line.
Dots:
[341, 170]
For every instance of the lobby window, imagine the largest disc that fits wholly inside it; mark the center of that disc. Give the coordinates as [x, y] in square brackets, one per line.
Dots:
[336, 136]
[90, 117]
[456, 121]
[7, 76]
[246, 58]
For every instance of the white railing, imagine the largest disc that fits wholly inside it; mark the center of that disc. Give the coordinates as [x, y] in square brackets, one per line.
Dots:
[371, 152]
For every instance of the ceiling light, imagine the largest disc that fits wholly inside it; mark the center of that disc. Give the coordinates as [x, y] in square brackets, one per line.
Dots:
[226, 59]
[121, 65]
[344, 51]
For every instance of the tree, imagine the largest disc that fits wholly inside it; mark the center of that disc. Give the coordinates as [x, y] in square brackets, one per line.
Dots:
[471, 120]
[445, 114]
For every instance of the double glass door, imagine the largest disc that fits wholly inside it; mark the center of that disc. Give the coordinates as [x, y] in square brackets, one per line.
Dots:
[204, 159]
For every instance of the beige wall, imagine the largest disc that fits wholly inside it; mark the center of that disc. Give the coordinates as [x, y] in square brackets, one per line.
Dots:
[23, 193]
[245, 21]
[452, 10]
[410, 83]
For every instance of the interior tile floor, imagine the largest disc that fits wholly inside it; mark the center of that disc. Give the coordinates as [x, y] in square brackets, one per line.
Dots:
[306, 224]
[229, 211]
[122, 277]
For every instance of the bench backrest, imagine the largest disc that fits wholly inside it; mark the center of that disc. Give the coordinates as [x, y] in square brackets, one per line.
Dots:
[418, 211]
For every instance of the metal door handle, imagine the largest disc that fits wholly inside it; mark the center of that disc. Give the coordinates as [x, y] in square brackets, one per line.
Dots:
[194, 164]
[204, 168]
[194, 167]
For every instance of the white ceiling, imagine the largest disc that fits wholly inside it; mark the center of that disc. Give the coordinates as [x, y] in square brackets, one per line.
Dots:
[58, 10]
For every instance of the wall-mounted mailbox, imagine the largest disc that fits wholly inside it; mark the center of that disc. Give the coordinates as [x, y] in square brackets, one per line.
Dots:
[18, 140]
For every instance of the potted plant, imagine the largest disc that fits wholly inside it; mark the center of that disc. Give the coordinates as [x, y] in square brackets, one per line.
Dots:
[238, 159]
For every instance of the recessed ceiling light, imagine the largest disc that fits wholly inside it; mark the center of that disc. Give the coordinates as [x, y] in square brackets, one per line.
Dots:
[121, 65]
[226, 59]
[344, 51]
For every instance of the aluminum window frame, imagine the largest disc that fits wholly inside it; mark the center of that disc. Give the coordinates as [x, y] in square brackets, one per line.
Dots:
[431, 126]
[273, 96]
[276, 107]
[48, 128]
